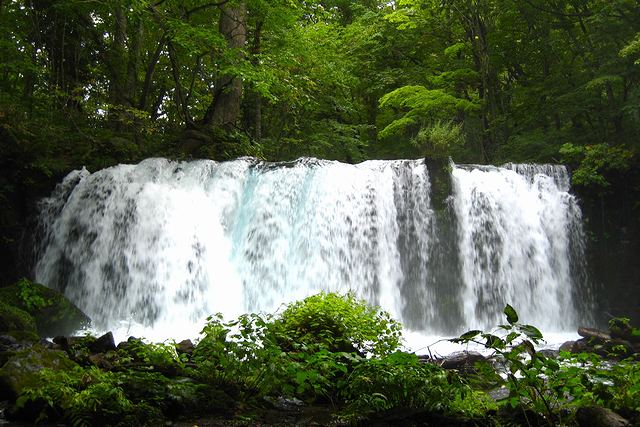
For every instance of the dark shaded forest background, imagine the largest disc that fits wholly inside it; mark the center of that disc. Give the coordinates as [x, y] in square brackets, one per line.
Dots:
[96, 83]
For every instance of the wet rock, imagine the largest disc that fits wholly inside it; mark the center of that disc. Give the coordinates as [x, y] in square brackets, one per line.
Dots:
[614, 349]
[463, 361]
[53, 313]
[185, 347]
[21, 370]
[102, 344]
[568, 346]
[499, 393]
[596, 416]
[593, 333]
[15, 319]
[94, 345]
[284, 404]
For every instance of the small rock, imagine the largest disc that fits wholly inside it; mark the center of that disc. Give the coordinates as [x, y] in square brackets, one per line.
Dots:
[596, 416]
[499, 393]
[285, 404]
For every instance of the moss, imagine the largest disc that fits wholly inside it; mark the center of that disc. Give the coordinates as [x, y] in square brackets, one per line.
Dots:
[21, 370]
[29, 336]
[15, 319]
[53, 313]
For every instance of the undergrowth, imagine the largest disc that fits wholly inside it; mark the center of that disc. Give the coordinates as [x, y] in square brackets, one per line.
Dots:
[334, 350]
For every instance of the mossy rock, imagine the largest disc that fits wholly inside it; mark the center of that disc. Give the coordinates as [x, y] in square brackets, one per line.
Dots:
[13, 318]
[26, 337]
[21, 370]
[53, 313]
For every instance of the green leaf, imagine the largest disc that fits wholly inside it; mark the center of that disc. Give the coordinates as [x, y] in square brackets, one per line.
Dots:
[510, 312]
[470, 335]
[493, 341]
[532, 332]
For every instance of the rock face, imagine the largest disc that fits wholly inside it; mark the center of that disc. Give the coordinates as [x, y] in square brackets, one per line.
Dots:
[14, 319]
[596, 416]
[53, 313]
[21, 370]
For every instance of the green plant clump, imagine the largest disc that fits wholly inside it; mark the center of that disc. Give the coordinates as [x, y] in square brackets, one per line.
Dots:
[337, 323]
[547, 390]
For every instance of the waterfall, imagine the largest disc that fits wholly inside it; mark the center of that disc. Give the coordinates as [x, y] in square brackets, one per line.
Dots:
[518, 231]
[154, 248]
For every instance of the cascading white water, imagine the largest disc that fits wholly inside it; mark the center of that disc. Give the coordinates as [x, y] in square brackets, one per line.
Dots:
[152, 249]
[163, 244]
[519, 230]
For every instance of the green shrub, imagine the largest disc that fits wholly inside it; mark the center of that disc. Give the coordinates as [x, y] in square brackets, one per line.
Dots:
[305, 352]
[552, 389]
[79, 396]
[338, 323]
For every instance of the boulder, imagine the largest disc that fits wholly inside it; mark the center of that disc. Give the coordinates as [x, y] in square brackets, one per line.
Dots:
[593, 333]
[185, 347]
[568, 346]
[613, 349]
[53, 313]
[21, 370]
[15, 319]
[102, 344]
[463, 361]
[596, 416]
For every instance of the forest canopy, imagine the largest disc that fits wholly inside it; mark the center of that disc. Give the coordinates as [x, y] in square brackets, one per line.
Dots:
[96, 83]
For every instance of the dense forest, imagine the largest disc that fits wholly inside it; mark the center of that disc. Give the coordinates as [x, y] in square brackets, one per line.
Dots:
[96, 83]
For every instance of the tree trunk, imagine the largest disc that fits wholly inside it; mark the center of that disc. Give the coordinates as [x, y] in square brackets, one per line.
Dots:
[253, 101]
[225, 108]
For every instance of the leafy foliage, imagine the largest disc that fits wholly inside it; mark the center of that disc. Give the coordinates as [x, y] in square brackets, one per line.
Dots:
[595, 162]
[302, 353]
[399, 380]
[441, 140]
[306, 351]
[32, 298]
[545, 387]
[337, 323]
